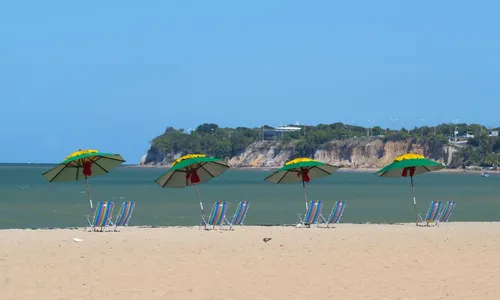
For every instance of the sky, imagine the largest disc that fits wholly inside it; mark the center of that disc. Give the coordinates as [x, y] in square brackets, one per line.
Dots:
[111, 75]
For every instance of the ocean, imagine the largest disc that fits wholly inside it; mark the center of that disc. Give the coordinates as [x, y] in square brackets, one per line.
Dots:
[28, 200]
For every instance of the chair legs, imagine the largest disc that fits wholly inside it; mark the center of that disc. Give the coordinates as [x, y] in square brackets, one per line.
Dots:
[324, 221]
[206, 225]
[203, 223]
[421, 220]
[228, 223]
[303, 223]
[300, 221]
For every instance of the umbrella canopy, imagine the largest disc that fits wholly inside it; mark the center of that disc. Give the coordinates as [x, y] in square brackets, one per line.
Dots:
[83, 164]
[409, 165]
[301, 170]
[192, 169]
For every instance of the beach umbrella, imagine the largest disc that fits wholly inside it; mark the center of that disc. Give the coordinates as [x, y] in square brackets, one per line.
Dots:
[301, 170]
[192, 169]
[409, 165]
[84, 164]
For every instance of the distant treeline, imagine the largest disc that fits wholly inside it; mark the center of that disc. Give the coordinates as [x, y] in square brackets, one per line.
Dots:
[482, 150]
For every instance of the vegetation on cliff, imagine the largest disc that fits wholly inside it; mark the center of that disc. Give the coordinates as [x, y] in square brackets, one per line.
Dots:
[207, 138]
[482, 150]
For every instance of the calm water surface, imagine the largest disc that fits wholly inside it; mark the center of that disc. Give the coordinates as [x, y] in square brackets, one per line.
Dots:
[28, 200]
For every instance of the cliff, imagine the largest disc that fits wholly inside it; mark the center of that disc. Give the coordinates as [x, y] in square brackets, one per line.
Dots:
[353, 153]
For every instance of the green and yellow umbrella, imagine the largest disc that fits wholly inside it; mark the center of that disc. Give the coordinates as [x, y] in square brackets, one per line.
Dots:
[192, 169]
[301, 170]
[409, 164]
[83, 164]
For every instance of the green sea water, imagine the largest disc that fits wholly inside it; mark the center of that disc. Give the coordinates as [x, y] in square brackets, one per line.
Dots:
[27, 200]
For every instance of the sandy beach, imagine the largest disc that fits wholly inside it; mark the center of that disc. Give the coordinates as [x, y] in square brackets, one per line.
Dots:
[452, 261]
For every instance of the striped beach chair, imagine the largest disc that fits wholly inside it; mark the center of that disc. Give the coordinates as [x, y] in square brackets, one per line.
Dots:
[102, 216]
[217, 215]
[336, 214]
[312, 214]
[124, 214]
[432, 214]
[240, 214]
[448, 209]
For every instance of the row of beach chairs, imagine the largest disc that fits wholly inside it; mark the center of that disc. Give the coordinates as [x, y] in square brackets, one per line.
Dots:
[314, 214]
[217, 216]
[102, 217]
[437, 213]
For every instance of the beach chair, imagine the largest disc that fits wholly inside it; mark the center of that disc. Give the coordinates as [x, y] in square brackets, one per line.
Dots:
[432, 214]
[101, 217]
[312, 214]
[240, 214]
[124, 214]
[217, 215]
[336, 214]
[448, 209]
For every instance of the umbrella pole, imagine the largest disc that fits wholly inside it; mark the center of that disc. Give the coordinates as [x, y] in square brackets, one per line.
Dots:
[201, 206]
[88, 193]
[305, 193]
[414, 199]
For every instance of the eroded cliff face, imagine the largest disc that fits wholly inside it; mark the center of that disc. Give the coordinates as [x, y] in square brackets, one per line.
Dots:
[353, 153]
[375, 153]
[262, 155]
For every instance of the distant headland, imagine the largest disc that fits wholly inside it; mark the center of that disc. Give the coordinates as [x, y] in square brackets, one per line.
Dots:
[458, 146]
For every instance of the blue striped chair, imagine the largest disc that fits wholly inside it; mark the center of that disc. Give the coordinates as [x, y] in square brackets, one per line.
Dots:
[217, 215]
[336, 214]
[102, 216]
[124, 214]
[240, 214]
[432, 214]
[312, 214]
[448, 209]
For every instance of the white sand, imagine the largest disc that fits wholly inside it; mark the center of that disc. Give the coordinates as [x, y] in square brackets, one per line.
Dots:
[452, 261]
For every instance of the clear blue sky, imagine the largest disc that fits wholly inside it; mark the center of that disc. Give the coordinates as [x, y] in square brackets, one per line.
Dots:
[110, 75]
